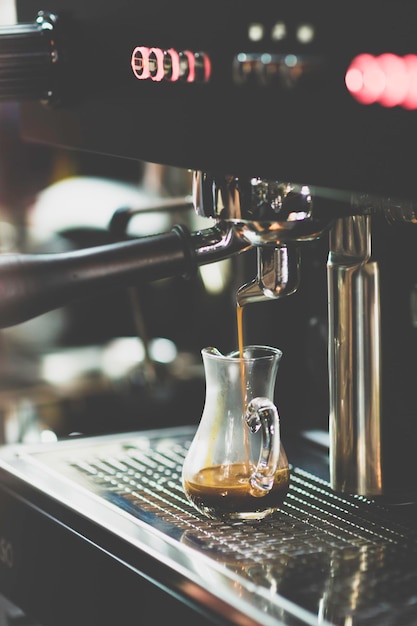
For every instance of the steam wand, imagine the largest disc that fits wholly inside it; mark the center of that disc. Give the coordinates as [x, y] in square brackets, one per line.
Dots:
[33, 284]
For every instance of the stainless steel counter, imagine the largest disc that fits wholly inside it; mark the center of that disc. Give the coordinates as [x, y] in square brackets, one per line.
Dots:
[112, 507]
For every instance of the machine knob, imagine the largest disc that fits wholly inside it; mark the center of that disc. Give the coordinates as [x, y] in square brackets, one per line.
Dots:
[28, 56]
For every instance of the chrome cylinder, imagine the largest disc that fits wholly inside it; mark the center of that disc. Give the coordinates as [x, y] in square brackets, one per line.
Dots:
[354, 359]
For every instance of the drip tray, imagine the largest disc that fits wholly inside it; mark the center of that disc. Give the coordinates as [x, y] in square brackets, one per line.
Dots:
[322, 559]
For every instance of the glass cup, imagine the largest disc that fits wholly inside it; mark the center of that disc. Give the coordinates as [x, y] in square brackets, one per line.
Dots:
[236, 467]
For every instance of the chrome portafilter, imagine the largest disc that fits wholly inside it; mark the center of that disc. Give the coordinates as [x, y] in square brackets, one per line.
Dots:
[275, 217]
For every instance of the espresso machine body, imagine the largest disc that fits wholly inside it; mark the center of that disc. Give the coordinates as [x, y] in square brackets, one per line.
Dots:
[299, 123]
[261, 103]
[272, 100]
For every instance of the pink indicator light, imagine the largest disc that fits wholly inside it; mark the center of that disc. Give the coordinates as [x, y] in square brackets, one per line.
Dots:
[175, 64]
[410, 100]
[157, 64]
[388, 80]
[157, 57]
[396, 80]
[365, 79]
[207, 67]
[140, 62]
[190, 66]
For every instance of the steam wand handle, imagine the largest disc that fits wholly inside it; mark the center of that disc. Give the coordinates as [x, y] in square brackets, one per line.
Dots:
[33, 284]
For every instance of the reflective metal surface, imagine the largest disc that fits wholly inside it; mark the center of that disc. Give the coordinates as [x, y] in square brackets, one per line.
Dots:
[322, 559]
[355, 359]
[261, 211]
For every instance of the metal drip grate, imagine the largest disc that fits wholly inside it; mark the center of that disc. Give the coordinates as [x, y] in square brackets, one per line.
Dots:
[345, 560]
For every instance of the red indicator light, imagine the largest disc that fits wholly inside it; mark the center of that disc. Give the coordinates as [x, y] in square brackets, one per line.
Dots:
[388, 80]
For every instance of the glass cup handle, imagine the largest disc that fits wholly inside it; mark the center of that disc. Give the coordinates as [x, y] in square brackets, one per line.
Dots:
[262, 413]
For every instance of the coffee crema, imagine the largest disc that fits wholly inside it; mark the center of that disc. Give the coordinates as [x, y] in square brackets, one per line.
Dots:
[224, 491]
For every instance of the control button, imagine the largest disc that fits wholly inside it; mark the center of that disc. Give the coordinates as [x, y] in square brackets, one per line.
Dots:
[140, 62]
[171, 65]
[283, 70]
[156, 64]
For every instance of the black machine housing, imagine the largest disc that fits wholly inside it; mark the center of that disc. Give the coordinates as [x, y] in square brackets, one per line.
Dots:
[257, 116]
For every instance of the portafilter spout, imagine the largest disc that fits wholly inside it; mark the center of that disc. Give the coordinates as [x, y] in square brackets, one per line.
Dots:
[278, 274]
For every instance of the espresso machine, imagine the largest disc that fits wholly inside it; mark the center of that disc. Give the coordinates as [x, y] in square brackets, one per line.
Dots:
[297, 121]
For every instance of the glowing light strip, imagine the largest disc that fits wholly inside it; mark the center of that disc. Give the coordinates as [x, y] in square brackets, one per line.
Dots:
[157, 64]
[387, 79]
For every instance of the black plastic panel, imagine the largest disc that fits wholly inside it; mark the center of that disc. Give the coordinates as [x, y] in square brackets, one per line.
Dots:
[310, 131]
